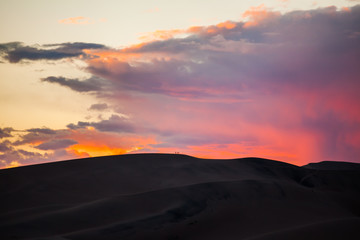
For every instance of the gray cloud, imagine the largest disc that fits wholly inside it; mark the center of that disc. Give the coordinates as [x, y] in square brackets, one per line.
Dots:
[5, 132]
[15, 52]
[40, 135]
[99, 107]
[79, 125]
[56, 144]
[41, 130]
[5, 146]
[88, 85]
[114, 124]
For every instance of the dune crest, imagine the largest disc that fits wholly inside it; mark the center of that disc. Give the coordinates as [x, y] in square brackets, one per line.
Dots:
[174, 196]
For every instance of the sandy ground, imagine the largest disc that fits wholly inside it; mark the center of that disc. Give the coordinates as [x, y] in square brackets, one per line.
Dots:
[167, 196]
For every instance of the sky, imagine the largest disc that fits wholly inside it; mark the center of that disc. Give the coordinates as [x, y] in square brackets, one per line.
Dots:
[276, 79]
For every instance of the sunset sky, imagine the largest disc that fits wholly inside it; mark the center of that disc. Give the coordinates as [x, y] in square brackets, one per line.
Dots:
[277, 79]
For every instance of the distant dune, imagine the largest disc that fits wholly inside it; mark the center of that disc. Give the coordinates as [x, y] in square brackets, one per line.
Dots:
[173, 196]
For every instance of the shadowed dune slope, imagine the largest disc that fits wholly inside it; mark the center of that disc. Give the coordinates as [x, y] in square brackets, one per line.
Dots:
[173, 196]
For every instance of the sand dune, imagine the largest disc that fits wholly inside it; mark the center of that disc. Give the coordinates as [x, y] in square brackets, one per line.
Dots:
[167, 196]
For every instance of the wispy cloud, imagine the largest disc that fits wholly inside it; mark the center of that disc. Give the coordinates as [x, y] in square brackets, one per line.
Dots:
[16, 51]
[152, 10]
[75, 20]
[88, 85]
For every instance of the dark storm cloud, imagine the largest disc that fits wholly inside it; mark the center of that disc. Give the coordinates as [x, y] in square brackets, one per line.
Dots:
[88, 85]
[56, 144]
[16, 51]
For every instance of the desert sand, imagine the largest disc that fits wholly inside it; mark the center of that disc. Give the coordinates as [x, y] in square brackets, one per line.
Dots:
[174, 196]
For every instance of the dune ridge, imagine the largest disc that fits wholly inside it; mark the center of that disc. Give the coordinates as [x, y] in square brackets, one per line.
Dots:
[174, 196]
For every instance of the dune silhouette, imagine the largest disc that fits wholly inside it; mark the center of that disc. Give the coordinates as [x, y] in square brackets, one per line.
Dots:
[174, 196]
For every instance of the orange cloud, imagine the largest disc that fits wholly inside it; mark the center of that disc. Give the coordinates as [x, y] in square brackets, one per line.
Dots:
[12, 164]
[160, 35]
[75, 20]
[108, 56]
[258, 15]
[227, 25]
[167, 34]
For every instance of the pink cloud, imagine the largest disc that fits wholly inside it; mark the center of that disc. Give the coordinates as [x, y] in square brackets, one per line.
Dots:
[289, 96]
[258, 15]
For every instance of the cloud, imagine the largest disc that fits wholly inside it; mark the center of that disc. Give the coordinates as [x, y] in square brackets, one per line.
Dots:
[258, 15]
[56, 144]
[16, 51]
[114, 124]
[10, 156]
[5, 132]
[152, 10]
[289, 72]
[282, 86]
[80, 21]
[5, 146]
[88, 85]
[79, 125]
[37, 136]
[75, 20]
[115, 135]
[99, 107]
[192, 66]
[41, 130]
